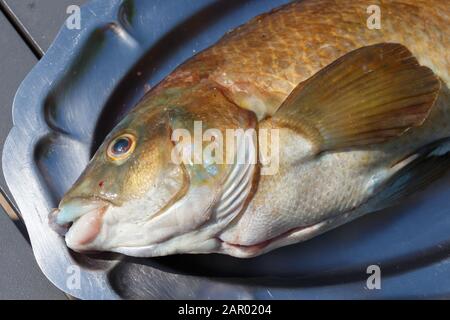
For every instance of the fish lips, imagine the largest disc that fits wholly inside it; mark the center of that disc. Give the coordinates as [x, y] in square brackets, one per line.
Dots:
[79, 220]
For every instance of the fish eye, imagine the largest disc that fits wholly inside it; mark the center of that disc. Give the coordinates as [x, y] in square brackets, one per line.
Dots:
[121, 147]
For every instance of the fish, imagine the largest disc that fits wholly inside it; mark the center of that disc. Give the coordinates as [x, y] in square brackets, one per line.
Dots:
[340, 119]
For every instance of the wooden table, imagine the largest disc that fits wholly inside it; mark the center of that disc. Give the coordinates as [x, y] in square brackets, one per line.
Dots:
[27, 28]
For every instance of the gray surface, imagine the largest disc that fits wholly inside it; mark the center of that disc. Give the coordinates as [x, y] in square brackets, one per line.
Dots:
[20, 276]
[41, 19]
[16, 60]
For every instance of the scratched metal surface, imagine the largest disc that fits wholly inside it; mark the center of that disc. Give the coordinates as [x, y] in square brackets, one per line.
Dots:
[74, 96]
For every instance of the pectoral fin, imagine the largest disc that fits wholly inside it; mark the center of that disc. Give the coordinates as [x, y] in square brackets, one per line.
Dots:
[368, 96]
[237, 187]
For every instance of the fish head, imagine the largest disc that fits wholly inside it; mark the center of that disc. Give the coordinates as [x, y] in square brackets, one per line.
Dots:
[136, 197]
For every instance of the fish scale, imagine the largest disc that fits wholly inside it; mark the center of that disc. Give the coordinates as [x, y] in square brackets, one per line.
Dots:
[362, 115]
[249, 230]
[347, 174]
[317, 33]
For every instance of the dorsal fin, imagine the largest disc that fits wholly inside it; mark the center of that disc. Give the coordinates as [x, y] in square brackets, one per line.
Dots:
[367, 96]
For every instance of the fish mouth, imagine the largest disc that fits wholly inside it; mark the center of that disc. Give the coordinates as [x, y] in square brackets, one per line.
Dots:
[79, 221]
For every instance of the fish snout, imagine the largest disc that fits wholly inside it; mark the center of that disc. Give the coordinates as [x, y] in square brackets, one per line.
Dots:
[60, 229]
[79, 220]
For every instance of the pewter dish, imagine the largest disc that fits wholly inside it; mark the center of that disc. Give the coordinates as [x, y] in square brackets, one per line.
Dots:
[89, 78]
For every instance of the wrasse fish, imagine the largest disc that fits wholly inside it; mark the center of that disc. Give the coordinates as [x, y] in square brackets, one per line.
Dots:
[362, 117]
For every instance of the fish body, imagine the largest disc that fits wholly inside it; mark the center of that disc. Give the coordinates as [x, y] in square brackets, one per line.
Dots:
[361, 116]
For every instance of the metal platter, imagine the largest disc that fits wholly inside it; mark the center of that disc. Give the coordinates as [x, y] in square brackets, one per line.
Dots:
[88, 80]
